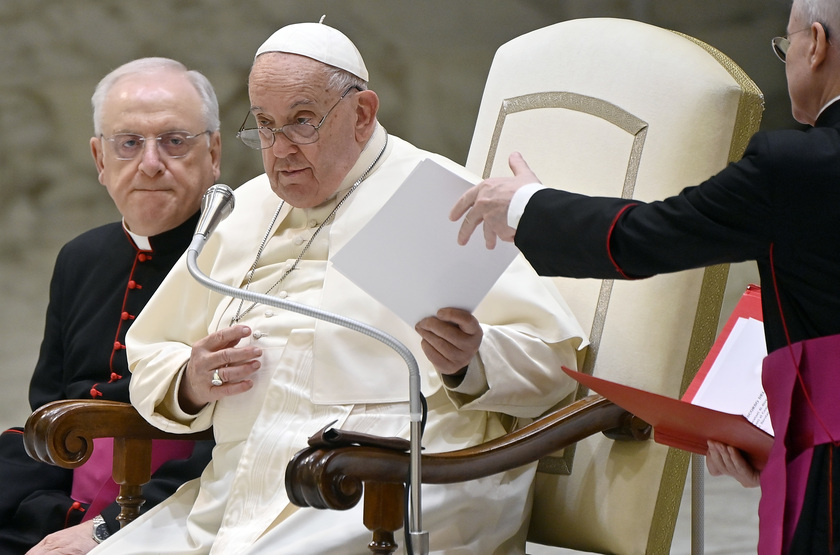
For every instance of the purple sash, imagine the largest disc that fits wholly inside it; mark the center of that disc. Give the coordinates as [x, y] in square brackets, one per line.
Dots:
[92, 482]
[797, 430]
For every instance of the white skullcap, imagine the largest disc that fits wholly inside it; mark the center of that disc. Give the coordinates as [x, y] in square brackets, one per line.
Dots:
[319, 42]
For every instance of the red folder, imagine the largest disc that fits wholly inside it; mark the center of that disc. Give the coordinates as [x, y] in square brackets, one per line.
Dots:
[683, 425]
[680, 424]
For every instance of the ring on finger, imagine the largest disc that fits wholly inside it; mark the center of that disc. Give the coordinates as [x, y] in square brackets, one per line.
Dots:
[217, 379]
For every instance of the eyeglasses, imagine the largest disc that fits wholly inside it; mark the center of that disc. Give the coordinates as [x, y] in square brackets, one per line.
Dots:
[261, 137]
[172, 144]
[781, 44]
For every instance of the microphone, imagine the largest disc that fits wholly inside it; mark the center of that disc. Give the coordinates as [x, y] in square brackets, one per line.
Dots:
[216, 205]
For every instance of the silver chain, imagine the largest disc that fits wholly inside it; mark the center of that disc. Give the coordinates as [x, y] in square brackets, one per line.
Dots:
[239, 314]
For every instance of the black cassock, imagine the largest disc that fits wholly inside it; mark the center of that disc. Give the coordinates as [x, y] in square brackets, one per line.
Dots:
[100, 282]
[782, 197]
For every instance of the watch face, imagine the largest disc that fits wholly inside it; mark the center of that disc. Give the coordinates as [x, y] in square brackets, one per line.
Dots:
[100, 532]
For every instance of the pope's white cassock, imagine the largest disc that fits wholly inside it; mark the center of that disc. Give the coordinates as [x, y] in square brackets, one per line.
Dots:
[314, 372]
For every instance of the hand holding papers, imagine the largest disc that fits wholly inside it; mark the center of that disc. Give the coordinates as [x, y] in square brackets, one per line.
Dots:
[733, 388]
[683, 425]
[407, 258]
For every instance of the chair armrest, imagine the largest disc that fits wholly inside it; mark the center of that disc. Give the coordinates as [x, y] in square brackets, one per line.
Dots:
[331, 478]
[334, 477]
[62, 432]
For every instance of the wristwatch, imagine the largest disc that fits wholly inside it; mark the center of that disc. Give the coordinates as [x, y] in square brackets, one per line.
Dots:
[100, 529]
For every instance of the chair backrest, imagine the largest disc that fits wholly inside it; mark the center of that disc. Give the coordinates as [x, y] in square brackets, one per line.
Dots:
[612, 107]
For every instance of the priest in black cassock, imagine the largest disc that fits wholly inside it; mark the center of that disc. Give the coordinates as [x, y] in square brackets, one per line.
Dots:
[157, 148]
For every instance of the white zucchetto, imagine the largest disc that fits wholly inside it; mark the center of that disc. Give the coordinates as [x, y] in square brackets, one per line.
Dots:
[319, 42]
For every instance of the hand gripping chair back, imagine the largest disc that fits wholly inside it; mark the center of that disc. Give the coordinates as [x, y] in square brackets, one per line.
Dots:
[611, 107]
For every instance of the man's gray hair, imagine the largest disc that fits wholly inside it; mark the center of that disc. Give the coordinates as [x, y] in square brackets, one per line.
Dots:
[209, 103]
[826, 12]
[341, 80]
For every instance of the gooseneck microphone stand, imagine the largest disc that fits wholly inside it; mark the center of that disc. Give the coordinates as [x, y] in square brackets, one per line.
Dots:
[216, 205]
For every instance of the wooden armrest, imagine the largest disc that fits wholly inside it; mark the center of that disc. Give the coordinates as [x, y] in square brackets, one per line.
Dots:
[62, 433]
[327, 478]
[333, 478]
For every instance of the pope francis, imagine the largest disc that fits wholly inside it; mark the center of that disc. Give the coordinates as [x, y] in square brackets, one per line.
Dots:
[266, 379]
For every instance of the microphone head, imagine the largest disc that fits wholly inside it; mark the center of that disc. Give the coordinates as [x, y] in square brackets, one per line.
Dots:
[216, 205]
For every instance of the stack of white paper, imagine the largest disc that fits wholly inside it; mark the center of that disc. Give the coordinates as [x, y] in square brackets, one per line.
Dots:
[407, 257]
[733, 383]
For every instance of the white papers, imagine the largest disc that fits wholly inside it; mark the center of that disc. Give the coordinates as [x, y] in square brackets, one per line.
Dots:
[407, 256]
[733, 383]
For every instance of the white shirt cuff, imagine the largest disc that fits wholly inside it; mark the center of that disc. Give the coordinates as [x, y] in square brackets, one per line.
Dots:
[520, 201]
[473, 383]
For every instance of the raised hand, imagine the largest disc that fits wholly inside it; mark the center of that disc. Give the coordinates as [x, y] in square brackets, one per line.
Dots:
[489, 201]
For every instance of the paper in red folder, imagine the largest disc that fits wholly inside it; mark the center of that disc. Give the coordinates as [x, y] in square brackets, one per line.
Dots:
[725, 401]
[748, 307]
[683, 425]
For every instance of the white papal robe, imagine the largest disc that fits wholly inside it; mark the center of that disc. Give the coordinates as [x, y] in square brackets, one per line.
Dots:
[314, 372]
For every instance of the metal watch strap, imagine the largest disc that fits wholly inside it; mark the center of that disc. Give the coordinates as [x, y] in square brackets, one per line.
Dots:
[100, 529]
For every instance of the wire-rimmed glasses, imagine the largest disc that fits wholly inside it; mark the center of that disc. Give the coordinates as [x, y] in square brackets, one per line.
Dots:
[781, 44]
[260, 138]
[171, 144]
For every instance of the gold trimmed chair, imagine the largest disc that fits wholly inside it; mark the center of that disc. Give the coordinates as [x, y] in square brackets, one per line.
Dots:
[611, 107]
[601, 106]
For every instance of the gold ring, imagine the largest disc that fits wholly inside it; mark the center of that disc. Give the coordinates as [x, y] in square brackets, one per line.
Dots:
[217, 380]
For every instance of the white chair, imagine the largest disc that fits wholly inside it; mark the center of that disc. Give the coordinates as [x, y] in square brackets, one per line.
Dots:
[611, 107]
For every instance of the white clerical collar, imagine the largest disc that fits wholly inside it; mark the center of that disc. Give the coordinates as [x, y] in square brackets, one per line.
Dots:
[827, 104]
[141, 241]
